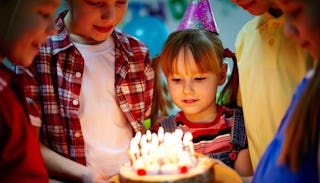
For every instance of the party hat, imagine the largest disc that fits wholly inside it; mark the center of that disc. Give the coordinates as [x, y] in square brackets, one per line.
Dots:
[199, 15]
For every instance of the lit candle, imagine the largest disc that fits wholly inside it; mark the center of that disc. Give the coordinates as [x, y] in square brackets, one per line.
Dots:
[133, 150]
[139, 166]
[167, 140]
[154, 143]
[162, 153]
[187, 141]
[185, 159]
[160, 134]
[138, 136]
[148, 134]
[143, 140]
[179, 133]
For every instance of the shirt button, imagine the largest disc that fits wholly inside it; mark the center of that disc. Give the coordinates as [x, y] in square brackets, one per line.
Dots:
[75, 102]
[77, 134]
[78, 74]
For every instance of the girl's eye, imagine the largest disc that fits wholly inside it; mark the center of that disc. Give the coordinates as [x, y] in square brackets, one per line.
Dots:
[199, 78]
[121, 2]
[95, 3]
[45, 15]
[175, 79]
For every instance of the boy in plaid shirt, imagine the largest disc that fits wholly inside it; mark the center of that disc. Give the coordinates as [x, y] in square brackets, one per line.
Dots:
[95, 87]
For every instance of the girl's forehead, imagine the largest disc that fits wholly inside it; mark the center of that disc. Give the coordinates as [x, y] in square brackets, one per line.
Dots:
[185, 66]
[288, 3]
[43, 3]
[52, 2]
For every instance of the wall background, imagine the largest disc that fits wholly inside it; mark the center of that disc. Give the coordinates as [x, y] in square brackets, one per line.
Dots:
[153, 20]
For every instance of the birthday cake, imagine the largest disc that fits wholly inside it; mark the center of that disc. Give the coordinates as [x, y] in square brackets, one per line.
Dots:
[165, 157]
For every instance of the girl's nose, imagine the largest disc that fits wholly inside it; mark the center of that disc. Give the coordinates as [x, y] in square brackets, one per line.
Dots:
[188, 87]
[108, 13]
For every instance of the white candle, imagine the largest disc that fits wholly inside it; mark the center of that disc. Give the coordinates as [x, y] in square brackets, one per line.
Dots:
[160, 134]
[138, 136]
[187, 141]
[162, 153]
[139, 164]
[143, 140]
[185, 159]
[148, 134]
[133, 149]
[179, 133]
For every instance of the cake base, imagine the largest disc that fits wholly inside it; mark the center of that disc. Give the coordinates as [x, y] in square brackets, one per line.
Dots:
[202, 173]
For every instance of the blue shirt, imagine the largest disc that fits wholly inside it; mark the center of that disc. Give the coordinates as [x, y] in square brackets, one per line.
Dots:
[269, 170]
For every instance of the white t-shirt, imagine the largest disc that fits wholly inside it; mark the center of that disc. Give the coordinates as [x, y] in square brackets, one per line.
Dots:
[106, 132]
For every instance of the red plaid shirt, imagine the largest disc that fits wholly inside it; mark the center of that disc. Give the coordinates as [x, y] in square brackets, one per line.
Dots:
[59, 69]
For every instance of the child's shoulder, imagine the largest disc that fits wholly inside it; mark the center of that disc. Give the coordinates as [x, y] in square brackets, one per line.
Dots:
[126, 38]
[230, 112]
[5, 76]
[3, 82]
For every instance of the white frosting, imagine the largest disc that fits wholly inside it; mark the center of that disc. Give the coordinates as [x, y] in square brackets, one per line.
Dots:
[203, 165]
[168, 156]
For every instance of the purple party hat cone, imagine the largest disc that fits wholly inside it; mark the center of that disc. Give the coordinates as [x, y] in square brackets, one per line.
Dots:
[199, 15]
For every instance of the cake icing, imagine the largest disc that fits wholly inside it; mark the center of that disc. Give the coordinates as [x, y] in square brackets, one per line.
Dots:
[165, 157]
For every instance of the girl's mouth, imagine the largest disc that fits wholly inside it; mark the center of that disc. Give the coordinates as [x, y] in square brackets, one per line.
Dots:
[189, 101]
[102, 29]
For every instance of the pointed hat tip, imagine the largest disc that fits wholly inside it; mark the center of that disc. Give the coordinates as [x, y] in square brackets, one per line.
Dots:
[198, 15]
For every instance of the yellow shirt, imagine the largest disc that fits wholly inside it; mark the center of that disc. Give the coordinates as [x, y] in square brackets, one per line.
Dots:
[270, 67]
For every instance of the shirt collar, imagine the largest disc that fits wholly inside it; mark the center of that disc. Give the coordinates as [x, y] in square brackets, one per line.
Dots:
[17, 69]
[61, 41]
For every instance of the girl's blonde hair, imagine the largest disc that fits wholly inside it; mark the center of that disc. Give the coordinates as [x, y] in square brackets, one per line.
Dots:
[162, 103]
[302, 133]
[208, 52]
[205, 46]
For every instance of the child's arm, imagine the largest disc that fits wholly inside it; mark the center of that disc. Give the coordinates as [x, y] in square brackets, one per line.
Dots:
[243, 164]
[246, 179]
[63, 168]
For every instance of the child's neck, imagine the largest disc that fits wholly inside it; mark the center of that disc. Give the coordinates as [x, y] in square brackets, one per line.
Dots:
[203, 117]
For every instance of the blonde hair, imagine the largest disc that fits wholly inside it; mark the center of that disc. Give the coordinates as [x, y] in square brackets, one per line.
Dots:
[302, 133]
[162, 103]
[208, 52]
[205, 46]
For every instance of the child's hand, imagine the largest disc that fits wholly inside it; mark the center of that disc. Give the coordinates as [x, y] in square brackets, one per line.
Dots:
[219, 162]
[95, 177]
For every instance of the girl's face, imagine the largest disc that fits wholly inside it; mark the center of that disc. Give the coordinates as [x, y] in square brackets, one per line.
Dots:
[93, 21]
[193, 92]
[30, 27]
[254, 7]
[303, 23]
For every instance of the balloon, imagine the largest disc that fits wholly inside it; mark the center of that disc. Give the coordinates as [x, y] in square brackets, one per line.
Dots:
[177, 8]
[149, 29]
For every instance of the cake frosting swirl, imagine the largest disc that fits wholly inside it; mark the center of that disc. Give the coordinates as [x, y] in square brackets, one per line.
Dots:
[165, 157]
